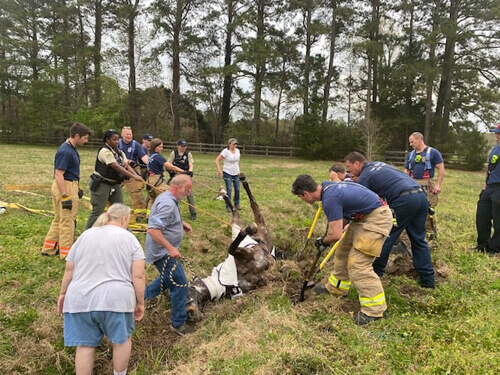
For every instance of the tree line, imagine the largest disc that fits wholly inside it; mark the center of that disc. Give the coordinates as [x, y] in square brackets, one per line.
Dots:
[328, 76]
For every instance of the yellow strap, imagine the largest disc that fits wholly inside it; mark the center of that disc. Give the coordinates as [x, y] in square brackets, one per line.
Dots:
[339, 284]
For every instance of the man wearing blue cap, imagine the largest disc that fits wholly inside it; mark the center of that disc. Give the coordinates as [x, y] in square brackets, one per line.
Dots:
[488, 205]
[146, 142]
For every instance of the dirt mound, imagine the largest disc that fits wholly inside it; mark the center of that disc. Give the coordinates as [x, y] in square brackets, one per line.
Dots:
[401, 265]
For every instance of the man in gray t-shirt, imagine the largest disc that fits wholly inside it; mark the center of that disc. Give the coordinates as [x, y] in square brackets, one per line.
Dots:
[164, 236]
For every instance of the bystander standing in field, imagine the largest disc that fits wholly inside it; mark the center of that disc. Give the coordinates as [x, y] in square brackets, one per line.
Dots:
[488, 205]
[102, 290]
[163, 239]
[183, 159]
[420, 166]
[136, 155]
[111, 168]
[230, 170]
[370, 224]
[66, 192]
[407, 199]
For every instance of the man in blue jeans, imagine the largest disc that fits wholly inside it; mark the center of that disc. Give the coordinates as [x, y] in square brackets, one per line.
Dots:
[163, 239]
[405, 196]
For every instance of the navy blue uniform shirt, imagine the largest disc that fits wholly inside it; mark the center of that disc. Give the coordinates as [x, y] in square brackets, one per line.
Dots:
[386, 181]
[418, 169]
[345, 199]
[68, 160]
[156, 163]
[494, 177]
[133, 150]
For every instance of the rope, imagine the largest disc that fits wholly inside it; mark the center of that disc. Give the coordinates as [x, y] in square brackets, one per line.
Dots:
[207, 187]
[202, 210]
[207, 176]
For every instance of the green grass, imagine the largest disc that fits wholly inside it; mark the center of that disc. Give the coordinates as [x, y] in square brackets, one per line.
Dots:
[453, 329]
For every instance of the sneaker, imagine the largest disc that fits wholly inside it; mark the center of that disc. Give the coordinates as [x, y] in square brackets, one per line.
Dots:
[237, 207]
[429, 286]
[361, 318]
[182, 330]
[193, 217]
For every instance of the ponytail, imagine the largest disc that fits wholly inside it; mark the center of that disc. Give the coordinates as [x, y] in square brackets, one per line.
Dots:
[115, 213]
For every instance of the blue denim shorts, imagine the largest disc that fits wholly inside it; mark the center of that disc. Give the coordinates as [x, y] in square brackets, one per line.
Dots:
[88, 328]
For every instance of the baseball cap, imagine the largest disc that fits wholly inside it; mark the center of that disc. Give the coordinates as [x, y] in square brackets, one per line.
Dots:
[147, 137]
[182, 142]
[496, 129]
[232, 140]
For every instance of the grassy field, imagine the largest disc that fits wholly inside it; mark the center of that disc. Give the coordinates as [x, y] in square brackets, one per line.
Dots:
[453, 329]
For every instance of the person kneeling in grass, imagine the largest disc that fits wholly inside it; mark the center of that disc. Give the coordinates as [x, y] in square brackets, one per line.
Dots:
[102, 290]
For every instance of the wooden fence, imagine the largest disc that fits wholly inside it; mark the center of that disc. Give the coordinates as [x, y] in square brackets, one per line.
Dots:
[455, 161]
[207, 148]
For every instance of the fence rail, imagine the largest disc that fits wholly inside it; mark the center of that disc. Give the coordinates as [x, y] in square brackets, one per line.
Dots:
[208, 148]
[456, 161]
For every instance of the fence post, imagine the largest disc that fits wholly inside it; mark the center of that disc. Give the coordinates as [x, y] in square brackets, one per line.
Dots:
[267, 150]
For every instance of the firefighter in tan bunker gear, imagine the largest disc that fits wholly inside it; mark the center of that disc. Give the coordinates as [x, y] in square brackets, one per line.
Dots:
[370, 224]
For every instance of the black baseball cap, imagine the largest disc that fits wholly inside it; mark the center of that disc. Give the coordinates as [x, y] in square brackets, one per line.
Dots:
[147, 137]
[182, 142]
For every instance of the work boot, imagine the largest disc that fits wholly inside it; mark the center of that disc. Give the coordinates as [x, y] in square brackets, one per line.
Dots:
[182, 330]
[362, 319]
[327, 288]
[237, 207]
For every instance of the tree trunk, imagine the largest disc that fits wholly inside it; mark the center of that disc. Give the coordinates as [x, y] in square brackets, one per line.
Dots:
[260, 68]
[81, 60]
[228, 78]
[329, 76]
[35, 46]
[132, 87]
[307, 62]
[97, 51]
[444, 96]
[374, 36]
[176, 72]
[431, 74]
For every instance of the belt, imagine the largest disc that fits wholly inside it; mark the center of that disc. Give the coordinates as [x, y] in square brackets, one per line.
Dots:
[70, 180]
[412, 191]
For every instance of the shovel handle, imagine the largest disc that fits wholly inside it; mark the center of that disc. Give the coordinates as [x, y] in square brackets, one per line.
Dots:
[331, 252]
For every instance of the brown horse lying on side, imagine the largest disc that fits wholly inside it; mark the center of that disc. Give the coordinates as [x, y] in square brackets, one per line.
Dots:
[245, 268]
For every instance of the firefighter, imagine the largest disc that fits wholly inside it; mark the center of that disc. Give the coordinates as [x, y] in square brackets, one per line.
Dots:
[407, 199]
[488, 206]
[370, 224]
[135, 155]
[420, 166]
[183, 159]
[66, 192]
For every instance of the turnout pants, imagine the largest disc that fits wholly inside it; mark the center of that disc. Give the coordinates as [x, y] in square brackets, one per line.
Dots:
[134, 188]
[160, 187]
[104, 193]
[354, 257]
[62, 229]
[488, 217]
[431, 221]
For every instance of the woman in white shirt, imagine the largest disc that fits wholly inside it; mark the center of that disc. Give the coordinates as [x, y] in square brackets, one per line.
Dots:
[230, 170]
[102, 290]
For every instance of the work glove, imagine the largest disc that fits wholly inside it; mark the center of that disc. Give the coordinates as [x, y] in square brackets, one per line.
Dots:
[80, 193]
[67, 203]
[189, 173]
[320, 245]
